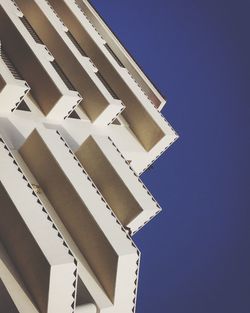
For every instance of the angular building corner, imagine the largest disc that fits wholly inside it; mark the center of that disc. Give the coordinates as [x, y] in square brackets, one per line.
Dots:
[79, 123]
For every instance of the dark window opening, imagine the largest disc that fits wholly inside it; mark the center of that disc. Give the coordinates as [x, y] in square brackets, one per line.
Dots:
[74, 115]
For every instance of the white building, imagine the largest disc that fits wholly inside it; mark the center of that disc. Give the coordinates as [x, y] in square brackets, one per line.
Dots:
[79, 123]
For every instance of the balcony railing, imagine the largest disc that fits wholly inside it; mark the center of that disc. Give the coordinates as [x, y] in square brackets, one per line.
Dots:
[31, 30]
[9, 64]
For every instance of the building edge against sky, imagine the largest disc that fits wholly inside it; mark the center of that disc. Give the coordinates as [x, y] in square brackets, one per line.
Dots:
[79, 123]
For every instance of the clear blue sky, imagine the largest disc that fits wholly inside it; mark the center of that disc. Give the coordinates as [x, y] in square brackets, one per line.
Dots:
[196, 254]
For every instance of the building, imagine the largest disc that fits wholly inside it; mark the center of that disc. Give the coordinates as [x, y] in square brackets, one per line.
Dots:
[79, 123]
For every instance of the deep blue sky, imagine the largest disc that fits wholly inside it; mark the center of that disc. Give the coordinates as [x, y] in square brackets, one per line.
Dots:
[196, 254]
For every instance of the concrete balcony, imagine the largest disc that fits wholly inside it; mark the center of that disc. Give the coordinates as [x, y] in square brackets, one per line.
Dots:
[152, 132]
[12, 88]
[127, 196]
[128, 144]
[33, 244]
[100, 102]
[107, 258]
[121, 55]
[49, 86]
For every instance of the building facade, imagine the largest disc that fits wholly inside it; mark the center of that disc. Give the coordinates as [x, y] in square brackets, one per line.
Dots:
[79, 123]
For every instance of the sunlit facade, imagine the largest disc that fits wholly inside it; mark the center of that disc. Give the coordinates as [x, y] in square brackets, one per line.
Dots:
[79, 123]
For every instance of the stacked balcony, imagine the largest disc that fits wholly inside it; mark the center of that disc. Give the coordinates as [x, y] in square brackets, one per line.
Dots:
[49, 85]
[71, 206]
[33, 245]
[121, 55]
[108, 259]
[100, 102]
[144, 122]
